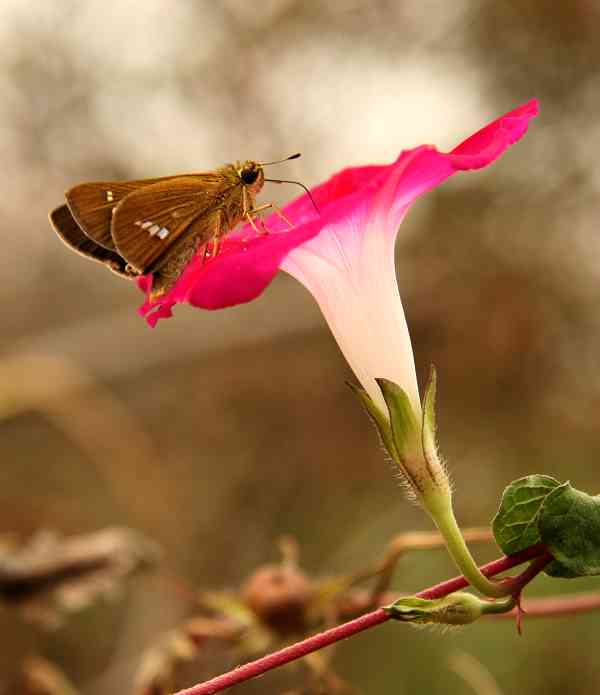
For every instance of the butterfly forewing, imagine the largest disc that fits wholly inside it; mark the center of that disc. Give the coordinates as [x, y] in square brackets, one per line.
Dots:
[92, 205]
[149, 221]
[71, 234]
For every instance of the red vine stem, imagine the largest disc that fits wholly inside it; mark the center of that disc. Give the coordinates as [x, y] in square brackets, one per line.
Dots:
[365, 622]
[557, 606]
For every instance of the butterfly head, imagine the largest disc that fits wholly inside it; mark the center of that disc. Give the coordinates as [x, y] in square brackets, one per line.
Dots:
[252, 175]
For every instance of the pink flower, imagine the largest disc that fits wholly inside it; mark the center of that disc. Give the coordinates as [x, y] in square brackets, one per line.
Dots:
[345, 255]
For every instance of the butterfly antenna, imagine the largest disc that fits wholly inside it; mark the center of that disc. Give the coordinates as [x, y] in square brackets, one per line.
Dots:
[312, 200]
[279, 161]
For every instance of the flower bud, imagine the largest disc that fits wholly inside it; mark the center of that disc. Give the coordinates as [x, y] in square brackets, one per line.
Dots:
[280, 596]
[460, 608]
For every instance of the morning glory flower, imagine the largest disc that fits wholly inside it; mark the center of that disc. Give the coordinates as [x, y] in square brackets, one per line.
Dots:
[344, 254]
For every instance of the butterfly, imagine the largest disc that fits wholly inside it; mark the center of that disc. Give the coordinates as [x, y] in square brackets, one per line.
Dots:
[157, 225]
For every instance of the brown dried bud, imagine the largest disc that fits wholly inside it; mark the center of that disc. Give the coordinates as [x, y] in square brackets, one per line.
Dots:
[280, 596]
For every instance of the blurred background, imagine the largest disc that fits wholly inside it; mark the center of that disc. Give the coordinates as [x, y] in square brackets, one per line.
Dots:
[203, 434]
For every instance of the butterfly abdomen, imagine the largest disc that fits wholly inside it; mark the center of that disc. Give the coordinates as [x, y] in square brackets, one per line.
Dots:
[167, 274]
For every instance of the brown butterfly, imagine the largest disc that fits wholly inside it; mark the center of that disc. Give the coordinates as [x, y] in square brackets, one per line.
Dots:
[157, 225]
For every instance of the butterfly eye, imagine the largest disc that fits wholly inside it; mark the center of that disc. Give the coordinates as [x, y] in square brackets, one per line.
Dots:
[249, 175]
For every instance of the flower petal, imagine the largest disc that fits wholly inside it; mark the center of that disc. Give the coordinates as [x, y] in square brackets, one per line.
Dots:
[244, 268]
[490, 142]
[378, 194]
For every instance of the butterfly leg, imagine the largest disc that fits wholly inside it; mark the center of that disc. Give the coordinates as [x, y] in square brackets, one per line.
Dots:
[252, 223]
[262, 208]
[256, 211]
[211, 248]
[280, 214]
[247, 212]
[213, 245]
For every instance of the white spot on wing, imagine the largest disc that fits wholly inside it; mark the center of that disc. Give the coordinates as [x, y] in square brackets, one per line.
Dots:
[153, 228]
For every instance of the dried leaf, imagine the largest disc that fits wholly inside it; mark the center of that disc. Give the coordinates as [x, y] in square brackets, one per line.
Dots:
[49, 576]
[42, 677]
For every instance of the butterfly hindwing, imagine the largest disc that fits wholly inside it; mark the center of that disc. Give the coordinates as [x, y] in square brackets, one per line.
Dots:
[149, 221]
[71, 234]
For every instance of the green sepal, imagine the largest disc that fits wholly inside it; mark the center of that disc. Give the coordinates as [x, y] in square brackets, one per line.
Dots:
[569, 525]
[411, 609]
[380, 421]
[515, 524]
[405, 426]
[429, 422]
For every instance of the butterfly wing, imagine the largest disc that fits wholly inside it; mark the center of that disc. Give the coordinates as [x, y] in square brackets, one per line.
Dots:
[150, 221]
[71, 234]
[92, 204]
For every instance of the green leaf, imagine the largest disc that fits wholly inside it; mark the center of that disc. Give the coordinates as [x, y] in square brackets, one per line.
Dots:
[406, 429]
[515, 525]
[569, 524]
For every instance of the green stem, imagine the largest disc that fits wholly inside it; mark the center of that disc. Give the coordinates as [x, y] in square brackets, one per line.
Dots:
[504, 606]
[443, 516]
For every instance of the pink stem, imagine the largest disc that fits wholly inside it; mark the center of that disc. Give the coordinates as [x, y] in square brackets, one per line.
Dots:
[351, 628]
[556, 606]
[518, 583]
